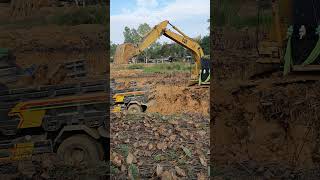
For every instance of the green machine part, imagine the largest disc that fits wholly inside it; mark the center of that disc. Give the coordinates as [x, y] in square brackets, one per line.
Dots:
[4, 52]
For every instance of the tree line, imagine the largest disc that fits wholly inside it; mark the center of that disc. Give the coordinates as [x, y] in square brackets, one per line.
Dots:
[157, 49]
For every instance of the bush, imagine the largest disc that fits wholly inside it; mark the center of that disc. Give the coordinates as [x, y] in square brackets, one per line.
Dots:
[135, 66]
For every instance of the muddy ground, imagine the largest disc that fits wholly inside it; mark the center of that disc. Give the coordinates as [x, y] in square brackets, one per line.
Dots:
[169, 92]
[263, 127]
[49, 166]
[160, 146]
[33, 40]
[170, 140]
[37, 39]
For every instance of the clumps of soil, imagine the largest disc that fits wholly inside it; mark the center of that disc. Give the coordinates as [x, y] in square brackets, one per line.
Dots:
[227, 38]
[168, 92]
[54, 37]
[265, 128]
[49, 166]
[153, 145]
[171, 99]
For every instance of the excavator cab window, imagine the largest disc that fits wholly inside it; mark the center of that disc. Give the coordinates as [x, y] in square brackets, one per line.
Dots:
[205, 69]
[306, 18]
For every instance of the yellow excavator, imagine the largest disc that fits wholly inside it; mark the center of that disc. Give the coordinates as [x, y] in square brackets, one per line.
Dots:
[293, 39]
[200, 73]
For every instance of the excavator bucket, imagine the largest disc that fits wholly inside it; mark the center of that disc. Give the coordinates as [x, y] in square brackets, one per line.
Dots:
[124, 53]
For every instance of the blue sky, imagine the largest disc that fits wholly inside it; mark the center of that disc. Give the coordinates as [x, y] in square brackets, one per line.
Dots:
[190, 16]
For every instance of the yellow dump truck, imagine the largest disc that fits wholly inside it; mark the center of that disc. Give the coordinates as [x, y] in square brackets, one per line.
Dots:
[68, 119]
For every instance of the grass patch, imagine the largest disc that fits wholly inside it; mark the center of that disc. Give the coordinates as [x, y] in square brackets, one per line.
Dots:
[168, 67]
[114, 170]
[173, 155]
[136, 66]
[124, 149]
[133, 170]
[159, 157]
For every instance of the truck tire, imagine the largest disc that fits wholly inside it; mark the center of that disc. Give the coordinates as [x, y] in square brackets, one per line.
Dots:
[80, 150]
[134, 109]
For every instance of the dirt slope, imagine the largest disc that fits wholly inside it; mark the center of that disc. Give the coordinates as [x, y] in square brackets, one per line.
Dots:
[264, 127]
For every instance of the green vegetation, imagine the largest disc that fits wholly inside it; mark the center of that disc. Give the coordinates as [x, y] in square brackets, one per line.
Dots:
[133, 170]
[124, 149]
[162, 67]
[114, 170]
[168, 67]
[158, 50]
[159, 157]
[136, 66]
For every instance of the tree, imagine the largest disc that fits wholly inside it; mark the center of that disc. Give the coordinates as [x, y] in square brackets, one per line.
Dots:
[135, 36]
[158, 50]
[113, 48]
[205, 44]
[155, 50]
[131, 35]
[143, 29]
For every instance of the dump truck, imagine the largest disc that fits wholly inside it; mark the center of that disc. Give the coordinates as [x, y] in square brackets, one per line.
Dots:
[66, 118]
[132, 100]
[69, 119]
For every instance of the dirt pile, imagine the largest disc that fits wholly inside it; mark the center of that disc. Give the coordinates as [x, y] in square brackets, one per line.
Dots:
[169, 93]
[169, 99]
[153, 145]
[265, 127]
[54, 45]
[54, 38]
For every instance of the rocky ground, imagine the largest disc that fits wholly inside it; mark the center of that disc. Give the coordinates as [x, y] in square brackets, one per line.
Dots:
[158, 146]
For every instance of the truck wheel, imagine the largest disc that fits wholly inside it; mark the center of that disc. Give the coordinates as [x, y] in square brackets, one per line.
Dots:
[80, 150]
[134, 109]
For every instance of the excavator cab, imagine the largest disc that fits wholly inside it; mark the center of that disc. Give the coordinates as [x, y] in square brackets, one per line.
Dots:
[295, 31]
[204, 77]
[303, 45]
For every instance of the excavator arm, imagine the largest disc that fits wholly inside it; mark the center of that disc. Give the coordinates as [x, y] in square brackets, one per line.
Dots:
[127, 51]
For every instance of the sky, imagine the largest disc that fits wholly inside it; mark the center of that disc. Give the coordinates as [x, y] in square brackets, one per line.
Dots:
[190, 16]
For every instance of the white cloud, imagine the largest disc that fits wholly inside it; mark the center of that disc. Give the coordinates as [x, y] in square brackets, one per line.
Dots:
[147, 3]
[190, 16]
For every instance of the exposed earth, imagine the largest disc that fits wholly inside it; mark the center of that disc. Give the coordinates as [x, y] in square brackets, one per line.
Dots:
[170, 140]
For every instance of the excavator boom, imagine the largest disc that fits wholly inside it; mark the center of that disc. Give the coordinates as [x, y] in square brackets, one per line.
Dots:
[126, 51]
